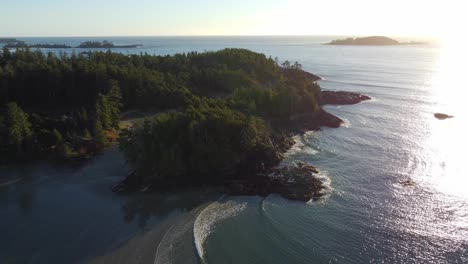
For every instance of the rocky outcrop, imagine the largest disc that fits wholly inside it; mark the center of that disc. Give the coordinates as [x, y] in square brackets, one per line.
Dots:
[341, 98]
[297, 182]
[441, 116]
[329, 120]
[258, 174]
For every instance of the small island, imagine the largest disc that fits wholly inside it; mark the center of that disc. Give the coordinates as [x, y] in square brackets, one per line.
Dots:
[371, 41]
[104, 45]
[50, 46]
[15, 44]
[8, 40]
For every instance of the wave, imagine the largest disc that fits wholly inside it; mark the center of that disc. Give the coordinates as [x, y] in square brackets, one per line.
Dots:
[176, 246]
[301, 145]
[208, 219]
[360, 84]
[346, 123]
[10, 181]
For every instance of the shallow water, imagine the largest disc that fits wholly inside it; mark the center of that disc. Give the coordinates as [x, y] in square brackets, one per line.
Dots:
[396, 174]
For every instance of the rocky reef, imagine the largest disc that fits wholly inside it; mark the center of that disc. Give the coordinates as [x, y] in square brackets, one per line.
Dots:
[341, 98]
[441, 116]
[297, 182]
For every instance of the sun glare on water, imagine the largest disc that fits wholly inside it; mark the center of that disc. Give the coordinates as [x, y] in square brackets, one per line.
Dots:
[447, 142]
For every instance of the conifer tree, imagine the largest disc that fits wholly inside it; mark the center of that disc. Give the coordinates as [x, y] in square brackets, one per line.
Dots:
[17, 124]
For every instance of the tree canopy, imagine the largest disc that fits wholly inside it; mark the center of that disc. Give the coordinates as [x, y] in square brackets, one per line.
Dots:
[221, 103]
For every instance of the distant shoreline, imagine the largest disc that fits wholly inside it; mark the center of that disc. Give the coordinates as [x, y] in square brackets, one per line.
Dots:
[372, 41]
[14, 44]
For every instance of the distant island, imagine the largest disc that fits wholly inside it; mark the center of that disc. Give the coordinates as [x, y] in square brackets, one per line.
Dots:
[371, 41]
[104, 45]
[14, 44]
[8, 40]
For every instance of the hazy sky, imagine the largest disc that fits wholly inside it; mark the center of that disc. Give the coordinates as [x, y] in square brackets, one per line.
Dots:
[228, 17]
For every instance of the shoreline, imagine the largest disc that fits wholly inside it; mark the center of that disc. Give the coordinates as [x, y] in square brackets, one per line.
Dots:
[294, 182]
[139, 248]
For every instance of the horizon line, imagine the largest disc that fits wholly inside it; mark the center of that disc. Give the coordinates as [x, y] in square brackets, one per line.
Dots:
[247, 35]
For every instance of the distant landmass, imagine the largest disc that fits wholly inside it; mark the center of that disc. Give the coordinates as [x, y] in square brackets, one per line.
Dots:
[14, 43]
[50, 46]
[8, 40]
[105, 44]
[371, 41]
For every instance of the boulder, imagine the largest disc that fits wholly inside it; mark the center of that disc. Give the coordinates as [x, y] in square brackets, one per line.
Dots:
[295, 182]
[441, 116]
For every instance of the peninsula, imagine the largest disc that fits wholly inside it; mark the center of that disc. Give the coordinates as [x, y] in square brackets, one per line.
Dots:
[221, 118]
[371, 41]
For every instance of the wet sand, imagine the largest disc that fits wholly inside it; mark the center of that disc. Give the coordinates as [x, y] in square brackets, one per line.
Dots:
[140, 249]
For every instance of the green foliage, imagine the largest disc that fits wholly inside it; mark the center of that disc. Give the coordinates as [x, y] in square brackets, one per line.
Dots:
[70, 95]
[114, 102]
[99, 134]
[58, 139]
[87, 134]
[207, 141]
[103, 112]
[17, 125]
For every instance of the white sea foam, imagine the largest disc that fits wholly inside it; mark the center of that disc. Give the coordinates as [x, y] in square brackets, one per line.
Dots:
[212, 215]
[10, 181]
[346, 123]
[300, 147]
[176, 241]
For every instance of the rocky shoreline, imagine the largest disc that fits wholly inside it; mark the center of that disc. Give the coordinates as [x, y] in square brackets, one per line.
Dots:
[298, 181]
[341, 98]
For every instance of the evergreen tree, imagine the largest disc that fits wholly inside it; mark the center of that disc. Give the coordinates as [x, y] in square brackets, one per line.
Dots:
[17, 125]
[99, 134]
[87, 134]
[58, 139]
[115, 102]
[104, 111]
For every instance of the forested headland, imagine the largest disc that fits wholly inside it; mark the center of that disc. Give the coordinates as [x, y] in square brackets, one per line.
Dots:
[221, 113]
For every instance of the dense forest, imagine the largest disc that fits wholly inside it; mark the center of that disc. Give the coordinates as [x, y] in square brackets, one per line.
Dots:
[221, 104]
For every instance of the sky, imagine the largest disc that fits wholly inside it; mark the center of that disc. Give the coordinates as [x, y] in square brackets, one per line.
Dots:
[428, 18]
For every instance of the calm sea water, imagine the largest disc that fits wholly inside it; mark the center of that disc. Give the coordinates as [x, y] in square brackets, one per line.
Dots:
[397, 176]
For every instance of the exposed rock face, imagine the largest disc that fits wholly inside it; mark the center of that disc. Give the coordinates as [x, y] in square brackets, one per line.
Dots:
[341, 98]
[297, 182]
[329, 120]
[441, 116]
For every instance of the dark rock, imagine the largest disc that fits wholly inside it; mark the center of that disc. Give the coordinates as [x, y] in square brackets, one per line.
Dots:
[129, 184]
[329, 120]
[296, 182]
[441, 116]
[341, 98]
[407, 182]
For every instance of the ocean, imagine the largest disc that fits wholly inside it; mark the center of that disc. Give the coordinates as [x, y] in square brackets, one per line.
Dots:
[397, 182]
